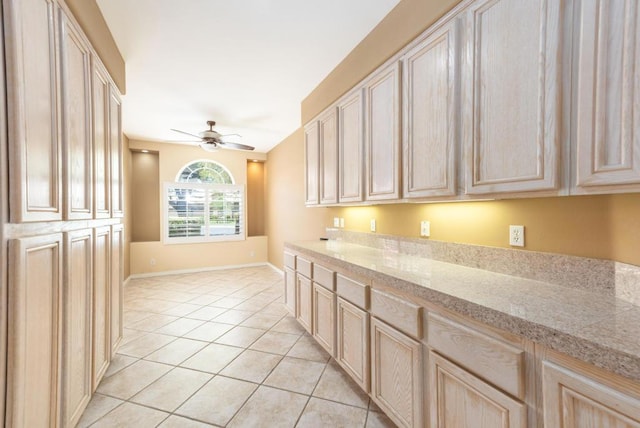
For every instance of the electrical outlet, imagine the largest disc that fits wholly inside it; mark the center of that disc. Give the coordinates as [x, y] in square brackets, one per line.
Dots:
[341, 222]
[152, 262]
[373, 224]
[516, 236]
[336, 222]
[425, 228]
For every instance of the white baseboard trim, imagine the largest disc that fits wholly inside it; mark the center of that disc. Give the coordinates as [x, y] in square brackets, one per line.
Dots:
[126, 281]
[280, 271]
[196, 270]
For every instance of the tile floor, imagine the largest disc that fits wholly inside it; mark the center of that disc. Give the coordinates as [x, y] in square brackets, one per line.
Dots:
[219, 349]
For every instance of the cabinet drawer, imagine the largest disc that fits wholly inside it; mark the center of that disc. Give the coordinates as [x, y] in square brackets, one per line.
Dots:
[495, 361]
[290, 261]
[355, 292]
[303, 266]
[400, 313]
[324, 277]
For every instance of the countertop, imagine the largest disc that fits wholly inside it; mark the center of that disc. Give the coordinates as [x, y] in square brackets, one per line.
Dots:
[601, 330]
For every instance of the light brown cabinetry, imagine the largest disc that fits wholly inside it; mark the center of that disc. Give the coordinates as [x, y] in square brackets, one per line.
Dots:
[304, 293]
[101, 304]
[311, 163]
[117, 155]
[290, 290]
[350, 147]
[101, 151]
[324, 318]
[328, 146]
[352, 349]
[430, 115]
[115, 292]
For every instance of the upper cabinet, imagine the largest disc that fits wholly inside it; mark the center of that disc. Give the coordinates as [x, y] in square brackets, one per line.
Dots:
[117, 155]
[350, 147]
[607, 101]
[382, 134]
[328, 125]
[511, 96]
[101, 153]
[311, 162]
[430, 119]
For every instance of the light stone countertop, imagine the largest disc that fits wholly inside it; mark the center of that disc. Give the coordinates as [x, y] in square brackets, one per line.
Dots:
[601, 330]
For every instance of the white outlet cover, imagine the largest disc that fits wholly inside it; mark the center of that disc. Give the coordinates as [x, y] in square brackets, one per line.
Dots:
[516, 236]
[425, 228]
[336, 222]
[373, 224]
[341, 222]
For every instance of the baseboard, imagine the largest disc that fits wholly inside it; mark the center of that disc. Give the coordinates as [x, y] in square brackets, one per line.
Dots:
[277, 269]
[126, 281]
[196, 270]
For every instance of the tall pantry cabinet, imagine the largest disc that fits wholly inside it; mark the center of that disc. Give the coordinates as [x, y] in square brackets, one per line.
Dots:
[61, 202]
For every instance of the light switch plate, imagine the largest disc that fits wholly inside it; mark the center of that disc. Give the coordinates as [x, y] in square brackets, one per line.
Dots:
[425, 228]
[373, 224]
[341, 222]
[336, 222]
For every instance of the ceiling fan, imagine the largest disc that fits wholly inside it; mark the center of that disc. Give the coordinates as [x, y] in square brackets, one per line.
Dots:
[212, 140]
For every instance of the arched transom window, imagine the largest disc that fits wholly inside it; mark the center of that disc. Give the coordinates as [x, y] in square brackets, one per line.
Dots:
[205, 171]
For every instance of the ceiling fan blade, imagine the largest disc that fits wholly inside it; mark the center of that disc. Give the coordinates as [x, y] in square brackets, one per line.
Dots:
[186, 133]
[229, 135]
[236, 146]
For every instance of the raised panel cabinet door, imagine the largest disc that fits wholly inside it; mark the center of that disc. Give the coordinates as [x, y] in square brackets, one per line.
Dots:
[116, 292]
[511, 96]
[396, 374]
[34, 331]
[458, 399]
[382, 134]
[31, 51]
[75, 84]
[430, 115]
[303, 302]
[572, 400]
[328, 146]
[324, 318]
[351, 148]
[77, 310]
[608, 96]
[101, 304]
[352, 349]
[290, 290]
[116, 149]
[101, 153]
[312, 162]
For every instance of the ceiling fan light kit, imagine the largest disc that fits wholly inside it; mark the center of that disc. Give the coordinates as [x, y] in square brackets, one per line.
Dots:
[212, 140]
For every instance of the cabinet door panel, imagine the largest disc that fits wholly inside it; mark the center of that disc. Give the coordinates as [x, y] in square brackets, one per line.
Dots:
[311, 163]
[101, 304]
[34, 149]
[430, 111]
[351, 148]
[608, 95]
[511, 101]
[116, 295]
[383, 134]
[324, 318]
[329, 157]
[77, 356]
[101, 154]
[352, 349]
[35, 276]
[290, 290]
[303, 301]
[76, 120]
[115, 147]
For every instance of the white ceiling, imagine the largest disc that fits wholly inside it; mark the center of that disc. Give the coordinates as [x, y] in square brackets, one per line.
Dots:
[247, 64]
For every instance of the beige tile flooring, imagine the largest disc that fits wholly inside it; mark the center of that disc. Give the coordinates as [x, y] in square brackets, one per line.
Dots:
[219, 349]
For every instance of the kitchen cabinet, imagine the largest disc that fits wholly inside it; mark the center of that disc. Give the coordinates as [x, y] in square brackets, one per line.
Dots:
[382, 134]
[101, 152]
[117, 155]
[352, 349]
[35, 163]
[511, 93]
[77, 337]
[350, 147]
[311, 163]
[115, 292]
[324, 317]
[328, 151]
[34, 336]
[430, 85]
[607, 97]
[101, 343]
[75, 87]
[304, 312]
[290, 290]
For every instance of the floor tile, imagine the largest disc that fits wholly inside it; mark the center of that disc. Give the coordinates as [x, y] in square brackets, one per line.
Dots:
[179, 327]
[204, 299]
[379, 420]
[336, 385]
[233, 316]
[295, 375]
[227, 302]
[129, 335]
[261, 320]
[153, 322]
[209, 331]
[275, 308]
[144, 345]
[308, 349]
[131, 415]
[133, 379]
[274, 342]
[270, 407]
[323, 413]
[182, 310]
[133, 316]
[177, 351]
[118, 363]
[213, 358]
[240, 336]
[207, 313]
[174, 421]
[172, 389]
[253, 366]
[290, 325]
[99, 406]
[218, 400]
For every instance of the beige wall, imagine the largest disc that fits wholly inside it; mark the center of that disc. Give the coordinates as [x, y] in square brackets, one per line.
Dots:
[255, 198]
[128, 229]
[145, 195]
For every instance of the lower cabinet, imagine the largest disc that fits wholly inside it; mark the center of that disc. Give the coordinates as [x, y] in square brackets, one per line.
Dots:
[290, 290]
[116, 292]
[324, 318]
[459, 399]
[303, 302]
[352, 348]
[396, 374]
[101, 306]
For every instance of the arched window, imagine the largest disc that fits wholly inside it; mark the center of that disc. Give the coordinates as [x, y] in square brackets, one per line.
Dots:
[203, 205]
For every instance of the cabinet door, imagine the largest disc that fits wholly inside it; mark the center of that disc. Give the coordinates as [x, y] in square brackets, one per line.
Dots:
[75, 84]
[352, 349]
[328, 125]
[290, 290]
[35, 276]
[608, 96]
[116, 295]
[33, 125]
[511, 96]
[77, 305]
[572, 400]
[382, 130]
[459, 399]
[324, 318]
[430, 85]
[396, 374]
[350, 148]
[303, 301]
[311, 163]
[101, 304]
[101, 154]
[115, 147]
